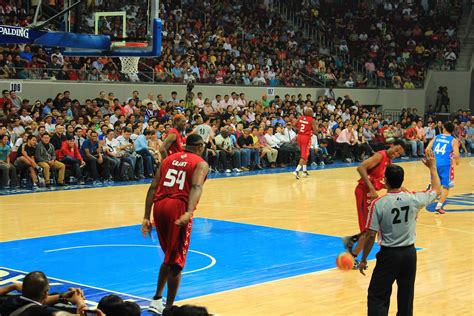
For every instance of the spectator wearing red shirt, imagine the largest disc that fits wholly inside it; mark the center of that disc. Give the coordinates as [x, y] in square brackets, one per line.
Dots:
[411, 137]
[70, 155]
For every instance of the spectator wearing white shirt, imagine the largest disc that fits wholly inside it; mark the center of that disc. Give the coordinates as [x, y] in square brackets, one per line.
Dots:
[287, 143]
[242, 102]
[218, 104]
[233, 101]
[199, 101]
[346, 115]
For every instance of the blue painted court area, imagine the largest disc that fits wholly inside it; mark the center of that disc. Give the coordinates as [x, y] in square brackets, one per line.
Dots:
[456, 203]
[223, 256]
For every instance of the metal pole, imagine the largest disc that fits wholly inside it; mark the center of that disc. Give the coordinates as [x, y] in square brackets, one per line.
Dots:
[38, 8]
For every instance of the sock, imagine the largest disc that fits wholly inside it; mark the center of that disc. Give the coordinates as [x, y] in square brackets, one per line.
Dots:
[298, 168]
[157, 297]
[438, 206]
[304, 168]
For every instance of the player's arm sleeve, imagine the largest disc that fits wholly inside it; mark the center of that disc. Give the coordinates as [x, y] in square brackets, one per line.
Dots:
[424, 198]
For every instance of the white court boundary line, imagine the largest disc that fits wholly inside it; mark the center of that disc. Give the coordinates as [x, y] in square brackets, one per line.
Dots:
[210, 265]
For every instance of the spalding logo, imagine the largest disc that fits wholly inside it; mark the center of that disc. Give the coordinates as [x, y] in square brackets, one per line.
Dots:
[15, 31]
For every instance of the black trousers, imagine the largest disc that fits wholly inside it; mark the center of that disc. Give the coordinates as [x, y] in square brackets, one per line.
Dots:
[393, 264]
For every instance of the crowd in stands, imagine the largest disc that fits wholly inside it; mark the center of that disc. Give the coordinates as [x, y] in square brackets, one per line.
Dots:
[32, 297]
[66, 141]
[248, 43]
[396, 41]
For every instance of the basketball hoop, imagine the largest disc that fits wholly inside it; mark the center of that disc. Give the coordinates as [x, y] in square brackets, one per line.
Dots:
[130, 64]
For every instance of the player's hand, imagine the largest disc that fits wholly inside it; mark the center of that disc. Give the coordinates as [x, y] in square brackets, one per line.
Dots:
[183, 220]
[429, 153]
[373, 194]
[146, 227]
[362, 267]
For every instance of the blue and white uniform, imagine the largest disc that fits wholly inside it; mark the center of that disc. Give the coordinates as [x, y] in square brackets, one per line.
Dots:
[443, 151]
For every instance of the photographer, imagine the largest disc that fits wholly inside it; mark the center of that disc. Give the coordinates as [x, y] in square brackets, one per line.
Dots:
[189, 100]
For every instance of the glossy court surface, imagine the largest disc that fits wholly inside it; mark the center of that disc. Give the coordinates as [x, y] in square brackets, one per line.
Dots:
[262, 245]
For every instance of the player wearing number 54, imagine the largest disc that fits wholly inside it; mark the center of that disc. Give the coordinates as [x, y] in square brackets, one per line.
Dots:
[174, 193]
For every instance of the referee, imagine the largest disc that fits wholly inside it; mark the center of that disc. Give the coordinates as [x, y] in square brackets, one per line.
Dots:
[394, 216]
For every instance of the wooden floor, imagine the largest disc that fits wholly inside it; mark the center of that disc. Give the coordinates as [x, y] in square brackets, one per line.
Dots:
[324, 204]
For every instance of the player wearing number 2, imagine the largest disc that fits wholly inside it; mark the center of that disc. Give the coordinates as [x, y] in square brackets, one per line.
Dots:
[306, 127]
[446, 149]
[174, 192]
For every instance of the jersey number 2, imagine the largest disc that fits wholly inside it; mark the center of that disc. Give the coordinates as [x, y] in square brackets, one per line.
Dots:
[173, 177]
[440, 149]
[396, 211]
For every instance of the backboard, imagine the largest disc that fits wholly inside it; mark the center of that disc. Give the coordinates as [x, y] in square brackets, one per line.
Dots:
[134, 27]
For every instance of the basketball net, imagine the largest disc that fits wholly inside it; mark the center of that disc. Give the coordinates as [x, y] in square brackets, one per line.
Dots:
[129, 65]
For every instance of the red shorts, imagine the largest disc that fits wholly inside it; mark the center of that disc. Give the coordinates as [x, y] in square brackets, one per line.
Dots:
[174, 240]
[304, 141]
[363, 203]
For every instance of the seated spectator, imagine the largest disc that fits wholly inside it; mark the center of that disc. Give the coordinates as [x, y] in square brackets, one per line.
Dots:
[25, 159]
[36, 301]
[288, 148]
[141, 148]
[265, 148]
[92, 153]
[154, 145]
[128, 153]
[231, 156]
[111, 150]
[7, 169]
[246, 141]
[46, 158]
[417, 146]
[58, 137]
[347, 143]
[70, 155]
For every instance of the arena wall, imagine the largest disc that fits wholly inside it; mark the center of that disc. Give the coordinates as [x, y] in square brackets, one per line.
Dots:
[459, 86]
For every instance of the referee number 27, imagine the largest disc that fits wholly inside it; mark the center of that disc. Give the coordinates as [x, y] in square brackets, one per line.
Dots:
[396, 211]
[173, 177]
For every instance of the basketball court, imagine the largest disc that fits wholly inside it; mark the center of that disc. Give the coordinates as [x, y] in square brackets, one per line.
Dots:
[263, 244]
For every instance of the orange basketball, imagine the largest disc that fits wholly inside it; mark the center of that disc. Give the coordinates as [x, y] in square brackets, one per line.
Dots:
[345, 261]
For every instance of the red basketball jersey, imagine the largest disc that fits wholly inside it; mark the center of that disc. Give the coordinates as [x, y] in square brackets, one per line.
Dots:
[377, 174]
[176, 174]
[178, 145]
[305, 125]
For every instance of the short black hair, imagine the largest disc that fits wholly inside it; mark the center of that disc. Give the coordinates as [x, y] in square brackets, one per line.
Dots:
[193, 140]
[34, 285]
[399, 142]
[395, 176]
[111, 305]
[185, 310]
[130, 309]
[449, 127]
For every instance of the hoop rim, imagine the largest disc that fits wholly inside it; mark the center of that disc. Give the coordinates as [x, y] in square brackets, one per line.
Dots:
[129, 44]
